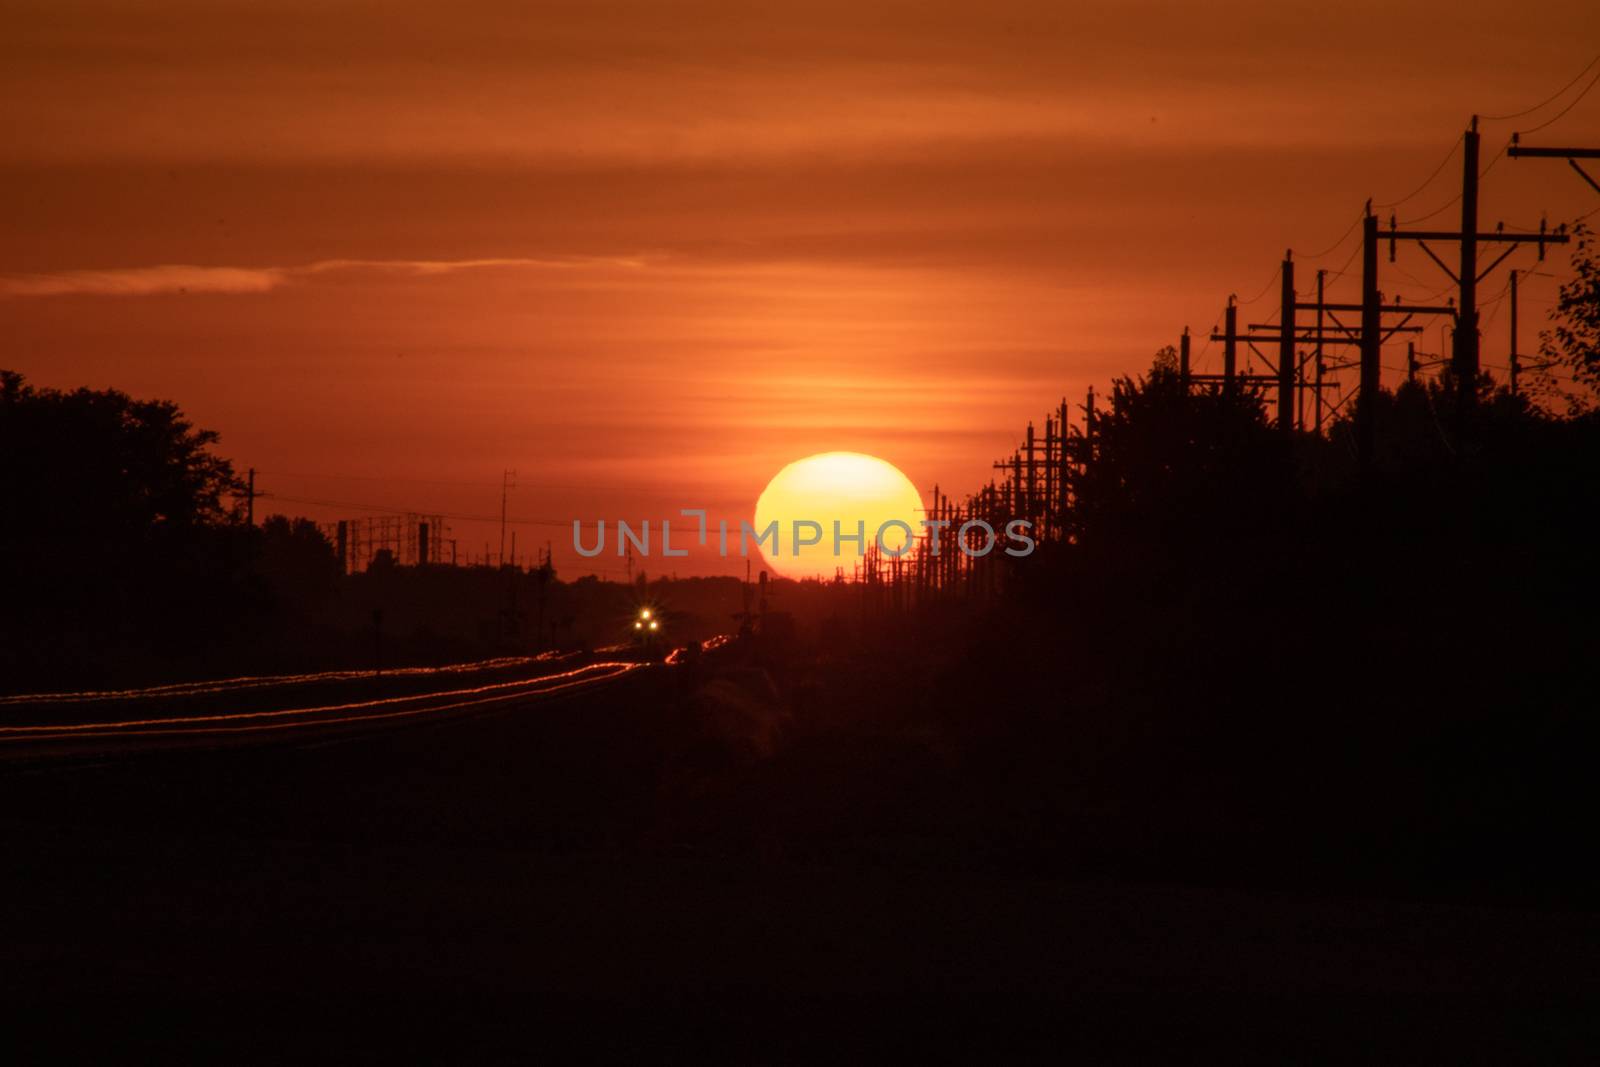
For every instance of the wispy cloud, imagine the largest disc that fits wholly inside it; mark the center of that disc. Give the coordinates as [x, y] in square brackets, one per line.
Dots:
[144, 281]
[170, 278]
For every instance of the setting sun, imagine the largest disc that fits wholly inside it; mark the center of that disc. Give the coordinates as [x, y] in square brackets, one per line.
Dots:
[861, 493]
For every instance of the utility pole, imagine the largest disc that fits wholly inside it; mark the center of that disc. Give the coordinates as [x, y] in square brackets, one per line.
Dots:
[1329, 330]
[1033, 488]
[1514, 367]
[1286, 357]
[1465, 362]
[1371, 345]
[507, 480]
[1065, 460]
[1283, 375]
[250, 499]
[1231, 339]
[1047, 503]
[1322, 280]
[1017, 502]
[1464, 355]
[1230, 346]
[1183, 370]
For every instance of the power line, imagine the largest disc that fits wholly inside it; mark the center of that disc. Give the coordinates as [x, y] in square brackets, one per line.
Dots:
[1431, 297]
[1560, 114]
[459, 517]
[380, 478]
[1498, 156]
[1549, 99]
[1340, 273]
[452, 482]
[1264, 288]
[1429, 181]
[1342, 238]
[1441, 209]
[1457, 198]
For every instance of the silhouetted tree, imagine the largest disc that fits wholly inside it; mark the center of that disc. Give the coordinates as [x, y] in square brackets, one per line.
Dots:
[100, 466]
[118, 534]
[297, 561]
[1166, 459]
[1573, 341]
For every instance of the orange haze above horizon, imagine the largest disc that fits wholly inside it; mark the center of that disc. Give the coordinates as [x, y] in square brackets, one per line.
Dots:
[648, 254]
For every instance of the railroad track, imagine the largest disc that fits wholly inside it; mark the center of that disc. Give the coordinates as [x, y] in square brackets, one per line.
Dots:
[132, 732]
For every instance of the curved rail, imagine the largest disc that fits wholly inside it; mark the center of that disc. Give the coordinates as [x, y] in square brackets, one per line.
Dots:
[98, 735]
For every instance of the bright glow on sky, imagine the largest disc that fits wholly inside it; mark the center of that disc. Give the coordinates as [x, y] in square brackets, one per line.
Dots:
[860, 493]
[645, 253]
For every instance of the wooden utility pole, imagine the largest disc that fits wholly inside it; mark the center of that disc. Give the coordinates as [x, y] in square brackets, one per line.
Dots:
[1322, 281]
[1018, 503]
[1286, 357]
[1323, 334]
[1183, 361]
[1465, 343]
[1514, 361]
[1465, 356]
[507, 480]
[1371, 345]
[1047, 505]
[1230, 346]
[1286, 339]
[250, 499]
[1031, 507]
[1063, 471]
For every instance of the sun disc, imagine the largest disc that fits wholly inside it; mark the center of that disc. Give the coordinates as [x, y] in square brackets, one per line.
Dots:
[861, 493]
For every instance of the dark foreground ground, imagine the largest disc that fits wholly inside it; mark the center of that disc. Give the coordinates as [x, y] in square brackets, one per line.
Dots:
[539, 884]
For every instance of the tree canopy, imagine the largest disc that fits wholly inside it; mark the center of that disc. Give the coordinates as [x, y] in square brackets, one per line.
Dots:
[99, 466]
[1573, 339]
[119, 540]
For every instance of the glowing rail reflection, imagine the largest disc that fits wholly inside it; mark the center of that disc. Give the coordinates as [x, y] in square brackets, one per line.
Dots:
[265, 681]
[328, 714]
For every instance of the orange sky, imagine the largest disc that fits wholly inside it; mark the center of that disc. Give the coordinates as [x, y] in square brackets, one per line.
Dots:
[648, 253]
